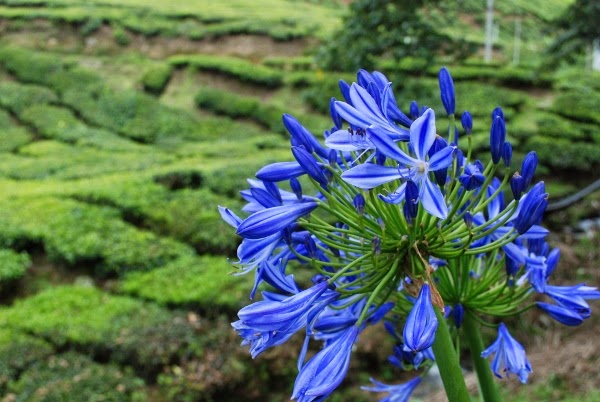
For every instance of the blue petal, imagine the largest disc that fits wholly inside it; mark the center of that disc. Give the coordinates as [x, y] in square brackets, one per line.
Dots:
[396, 197]
[384, 144]
[343, 140]
[229, 217]
[561, 314]
[270, 221]
[422, 133]
[352, 116]
[433, 199]
[441, 159]
[369, 175]
[364, 103]
[280, 171]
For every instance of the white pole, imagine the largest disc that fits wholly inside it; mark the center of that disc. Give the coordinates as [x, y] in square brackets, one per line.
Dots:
[596, 55]
[489, 19]
[517, 46]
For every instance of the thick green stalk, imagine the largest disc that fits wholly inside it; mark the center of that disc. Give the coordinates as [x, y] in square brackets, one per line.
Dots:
[488, 388]
[447, 361]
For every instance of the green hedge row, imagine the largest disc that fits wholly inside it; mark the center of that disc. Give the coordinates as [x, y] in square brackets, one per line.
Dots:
[198, 282]
[16, 97]
[580, 105]
[156, 78]
[12, 136]
[237, 68]
[563, 153]
[79, 233]
[48, 158]
[71, 375]
[269, 116]
[151, 339]
[18, 351]
[116, 327]
[12, 265]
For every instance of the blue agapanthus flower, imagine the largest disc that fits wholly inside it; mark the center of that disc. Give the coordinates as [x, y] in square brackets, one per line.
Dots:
[393, 220]
[509, 356]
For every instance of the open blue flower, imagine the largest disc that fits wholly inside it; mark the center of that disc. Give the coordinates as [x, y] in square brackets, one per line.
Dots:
[397, 393]
[509, 354]
[422, 137]
[326, 370]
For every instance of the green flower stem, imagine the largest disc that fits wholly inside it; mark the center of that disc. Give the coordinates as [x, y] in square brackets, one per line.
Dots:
[447, 361]
[488, 388]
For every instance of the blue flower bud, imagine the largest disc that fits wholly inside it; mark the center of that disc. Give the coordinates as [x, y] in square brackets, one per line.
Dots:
[296, 187]
[512, 267]
[528, 168]
[337, 120]
[468, 218]
[532, 208]
[497, 138]
[359, 203]
[411, 204]
[458, 314]
[414, 110]
[517, 185]
[507, 153]
[325, 371]
[310, 245]
[497, 112]
[364, 78]
[446, 90]
[332, 157]
[467, 122]
[310, 165]
[552, 261]
[421, 324]
[376, 245]
[264, 198]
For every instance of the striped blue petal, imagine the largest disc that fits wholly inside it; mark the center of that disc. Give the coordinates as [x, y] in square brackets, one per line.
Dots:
[441, 159]
[433, 199]
[364, 103]
[422, 133]
[270, 221]
[384, 144]
[369, 175]
[352, 116]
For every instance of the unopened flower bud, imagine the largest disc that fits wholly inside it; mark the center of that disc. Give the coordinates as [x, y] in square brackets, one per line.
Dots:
[359, 203]
[446, 90]
[467, 122]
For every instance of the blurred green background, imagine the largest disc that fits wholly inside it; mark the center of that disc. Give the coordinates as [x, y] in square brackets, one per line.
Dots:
[123, 124]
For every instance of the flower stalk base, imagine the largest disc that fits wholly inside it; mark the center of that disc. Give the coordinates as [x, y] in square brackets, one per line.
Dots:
[447, 362]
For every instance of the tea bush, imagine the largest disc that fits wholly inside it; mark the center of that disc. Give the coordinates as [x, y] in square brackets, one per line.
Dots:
[62, 377]
[237, 68]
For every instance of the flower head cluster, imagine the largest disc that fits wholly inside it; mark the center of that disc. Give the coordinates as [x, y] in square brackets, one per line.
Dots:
[397, 223]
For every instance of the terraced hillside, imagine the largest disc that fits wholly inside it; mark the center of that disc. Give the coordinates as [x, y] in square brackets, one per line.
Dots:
[123, 124]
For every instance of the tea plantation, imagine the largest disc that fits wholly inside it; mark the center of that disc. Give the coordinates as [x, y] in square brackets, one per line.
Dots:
[123, 124]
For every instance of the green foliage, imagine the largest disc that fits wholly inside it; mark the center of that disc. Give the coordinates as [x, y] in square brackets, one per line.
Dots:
[16, 97]
[124, 329]
[12, 136]
[75, 232]
[573, 155]
[120, 35]
[578, 105]
[17, 352]
[579, 25]
[373, 28]
[61, 377]
[240, 69]
[156, 78]
[13, 265]
[198, 282]
[236, 106]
